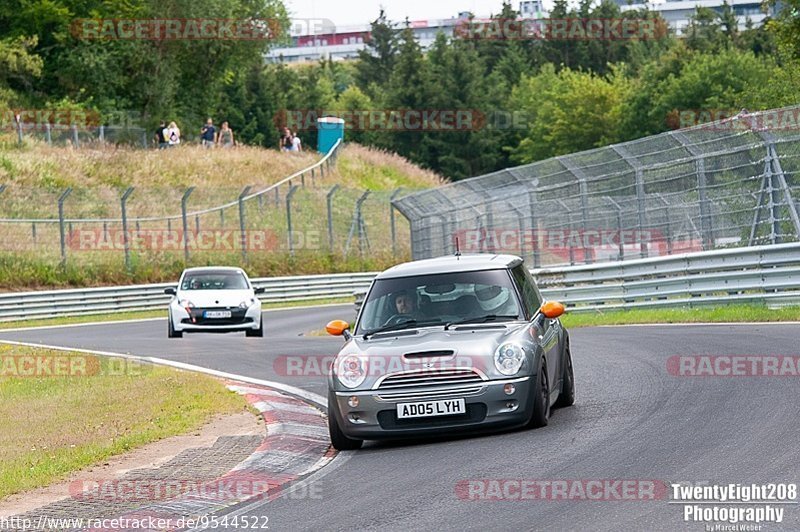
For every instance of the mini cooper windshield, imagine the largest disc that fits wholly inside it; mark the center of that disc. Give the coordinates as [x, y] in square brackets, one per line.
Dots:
[442, 299]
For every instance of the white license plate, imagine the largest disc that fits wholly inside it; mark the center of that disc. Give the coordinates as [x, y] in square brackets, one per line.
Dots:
[443, 407]
[217, 314]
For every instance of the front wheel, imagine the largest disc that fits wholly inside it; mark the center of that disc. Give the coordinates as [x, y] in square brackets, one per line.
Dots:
[541, 399]
[256, 333]
[338, 438]
[171, 332]
[567, 395]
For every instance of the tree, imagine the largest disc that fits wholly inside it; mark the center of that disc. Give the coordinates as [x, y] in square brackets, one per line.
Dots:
[377, 60]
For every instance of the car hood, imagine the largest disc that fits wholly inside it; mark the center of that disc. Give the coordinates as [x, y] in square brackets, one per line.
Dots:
[216, 298]
[471, 346]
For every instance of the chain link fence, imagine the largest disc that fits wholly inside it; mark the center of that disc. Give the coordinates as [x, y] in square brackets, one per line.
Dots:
[84, 136]
[300, 214]
[729, 183]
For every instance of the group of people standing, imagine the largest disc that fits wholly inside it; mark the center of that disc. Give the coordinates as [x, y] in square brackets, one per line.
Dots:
[290, 141]
[168, 136]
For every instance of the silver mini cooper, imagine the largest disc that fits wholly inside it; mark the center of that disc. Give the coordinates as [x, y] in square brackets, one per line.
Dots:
[454, 344]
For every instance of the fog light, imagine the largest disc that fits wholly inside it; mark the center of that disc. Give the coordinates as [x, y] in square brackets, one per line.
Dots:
[512, 405]
[353, 401]
[509, 389]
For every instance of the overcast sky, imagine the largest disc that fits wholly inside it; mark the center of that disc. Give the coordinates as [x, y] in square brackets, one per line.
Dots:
[350, 12]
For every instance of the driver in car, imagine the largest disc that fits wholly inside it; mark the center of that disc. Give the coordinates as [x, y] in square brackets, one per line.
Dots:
[406, 306]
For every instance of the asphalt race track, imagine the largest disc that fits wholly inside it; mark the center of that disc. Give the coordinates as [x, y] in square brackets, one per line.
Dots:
[633, 420]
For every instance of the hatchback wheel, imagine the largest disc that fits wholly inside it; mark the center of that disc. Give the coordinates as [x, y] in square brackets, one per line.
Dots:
[540, 394]
[338, 439]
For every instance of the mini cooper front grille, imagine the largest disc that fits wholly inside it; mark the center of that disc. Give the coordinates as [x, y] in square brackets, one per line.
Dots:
[425, 378]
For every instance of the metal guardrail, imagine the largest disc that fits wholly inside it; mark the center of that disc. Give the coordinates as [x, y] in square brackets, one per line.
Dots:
[53, 303]
[762, 274]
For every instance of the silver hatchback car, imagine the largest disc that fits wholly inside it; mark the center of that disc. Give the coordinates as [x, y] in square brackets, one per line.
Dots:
[453, 344]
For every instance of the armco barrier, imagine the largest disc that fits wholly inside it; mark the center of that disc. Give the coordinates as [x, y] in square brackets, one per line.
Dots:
[762, 274]
[28, 305]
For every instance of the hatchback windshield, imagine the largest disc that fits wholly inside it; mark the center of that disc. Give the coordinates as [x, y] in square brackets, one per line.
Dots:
[214, 281]
[440, 299]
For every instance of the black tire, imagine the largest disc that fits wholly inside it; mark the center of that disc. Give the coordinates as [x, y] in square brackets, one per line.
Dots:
[567, 395]
[259, 333]
[338, 439]
[171, 332]
[540, 395]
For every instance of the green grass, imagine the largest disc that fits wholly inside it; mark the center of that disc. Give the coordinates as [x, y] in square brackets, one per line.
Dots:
[727, 314]
[51, 426]
[36, 175]
[148, 314]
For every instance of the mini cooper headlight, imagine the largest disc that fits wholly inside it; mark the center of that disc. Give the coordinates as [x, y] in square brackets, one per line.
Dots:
[351, 370]
[508, 359]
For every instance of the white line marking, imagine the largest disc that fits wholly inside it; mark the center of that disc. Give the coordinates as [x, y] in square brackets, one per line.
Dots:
[141, 320]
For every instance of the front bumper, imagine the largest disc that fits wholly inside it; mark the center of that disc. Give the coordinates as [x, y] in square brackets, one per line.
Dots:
[375, 417]
[193, 321]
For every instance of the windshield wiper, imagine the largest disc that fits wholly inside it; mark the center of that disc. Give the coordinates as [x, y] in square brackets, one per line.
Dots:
[408, 324]
[482, 319]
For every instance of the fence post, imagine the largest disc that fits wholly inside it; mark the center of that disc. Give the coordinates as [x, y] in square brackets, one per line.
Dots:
[61, 229]
[48, 135]
[102, 134]
[75, 136]
[329, 200]
[289, 217]
[706, 221]
[357, 225]
[640, 192]
[242, 222]
[391, 220]
[184, 199]
[33, 232]
[197, 224]
[125, 239]
[19, 132]
[144, 139]
[532, 199]
[520, 228]
[669, 224]
[618, 208]
[222, 218]
[568, 240]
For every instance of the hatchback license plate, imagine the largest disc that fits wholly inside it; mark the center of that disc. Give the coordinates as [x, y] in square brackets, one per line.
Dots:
[443, 407]
[217, 314]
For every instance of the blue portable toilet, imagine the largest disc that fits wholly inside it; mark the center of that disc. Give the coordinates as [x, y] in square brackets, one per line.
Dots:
[330, 129]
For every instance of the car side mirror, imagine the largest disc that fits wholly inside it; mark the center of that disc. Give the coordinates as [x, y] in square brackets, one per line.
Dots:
[338, 328]
[259, 290]
[170, 291]
[552, 309]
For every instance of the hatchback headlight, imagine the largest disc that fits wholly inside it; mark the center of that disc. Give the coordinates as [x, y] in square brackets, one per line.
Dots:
[185, 303]
[351, 370]
[508, 359]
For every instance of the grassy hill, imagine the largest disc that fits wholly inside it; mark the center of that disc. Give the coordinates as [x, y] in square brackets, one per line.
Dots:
[36, 175]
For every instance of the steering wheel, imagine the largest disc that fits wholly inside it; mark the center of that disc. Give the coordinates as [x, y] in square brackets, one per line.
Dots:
[396, 319]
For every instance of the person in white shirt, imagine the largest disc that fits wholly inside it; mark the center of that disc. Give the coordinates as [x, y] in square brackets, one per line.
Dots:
[173, 134]
[297, 144]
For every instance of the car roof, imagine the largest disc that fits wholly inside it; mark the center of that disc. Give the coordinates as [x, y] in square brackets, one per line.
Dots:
[213, 269]
[472, 262]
